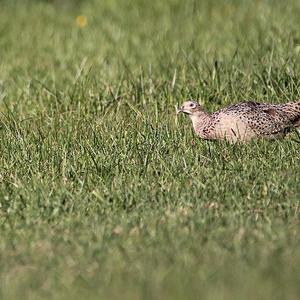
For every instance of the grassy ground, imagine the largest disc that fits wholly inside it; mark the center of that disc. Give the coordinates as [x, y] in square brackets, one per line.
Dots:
[104, 192]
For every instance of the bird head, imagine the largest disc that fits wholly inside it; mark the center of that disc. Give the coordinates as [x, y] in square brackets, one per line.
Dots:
[189, 108]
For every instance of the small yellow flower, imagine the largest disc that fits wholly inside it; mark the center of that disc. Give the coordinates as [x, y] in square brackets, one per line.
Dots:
[81, 21]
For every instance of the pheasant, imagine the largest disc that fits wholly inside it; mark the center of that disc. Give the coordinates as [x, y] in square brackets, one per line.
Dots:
[244, 121]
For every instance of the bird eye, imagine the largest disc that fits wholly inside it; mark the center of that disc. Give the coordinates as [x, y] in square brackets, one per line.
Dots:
[192, 105]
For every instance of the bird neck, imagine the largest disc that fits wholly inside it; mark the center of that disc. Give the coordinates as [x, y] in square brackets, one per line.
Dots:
[200, 120]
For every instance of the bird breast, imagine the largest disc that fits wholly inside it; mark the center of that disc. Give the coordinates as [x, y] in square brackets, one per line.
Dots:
[232, 129]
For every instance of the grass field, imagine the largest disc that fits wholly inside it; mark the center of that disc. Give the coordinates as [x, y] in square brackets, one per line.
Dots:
[104, 192]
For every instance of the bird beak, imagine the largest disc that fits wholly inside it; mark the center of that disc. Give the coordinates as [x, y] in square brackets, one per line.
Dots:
[179, 110]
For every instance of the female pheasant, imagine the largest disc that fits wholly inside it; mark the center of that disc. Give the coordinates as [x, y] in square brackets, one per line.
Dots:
[244, 121]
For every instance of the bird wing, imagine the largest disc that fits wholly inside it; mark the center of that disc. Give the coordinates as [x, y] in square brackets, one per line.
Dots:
[264, 119]
[268, 120]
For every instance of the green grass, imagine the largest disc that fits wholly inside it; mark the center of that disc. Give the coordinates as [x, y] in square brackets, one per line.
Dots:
[104, 192]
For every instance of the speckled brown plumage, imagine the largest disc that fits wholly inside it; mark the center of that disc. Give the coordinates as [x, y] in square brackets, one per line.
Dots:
[244, 121]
